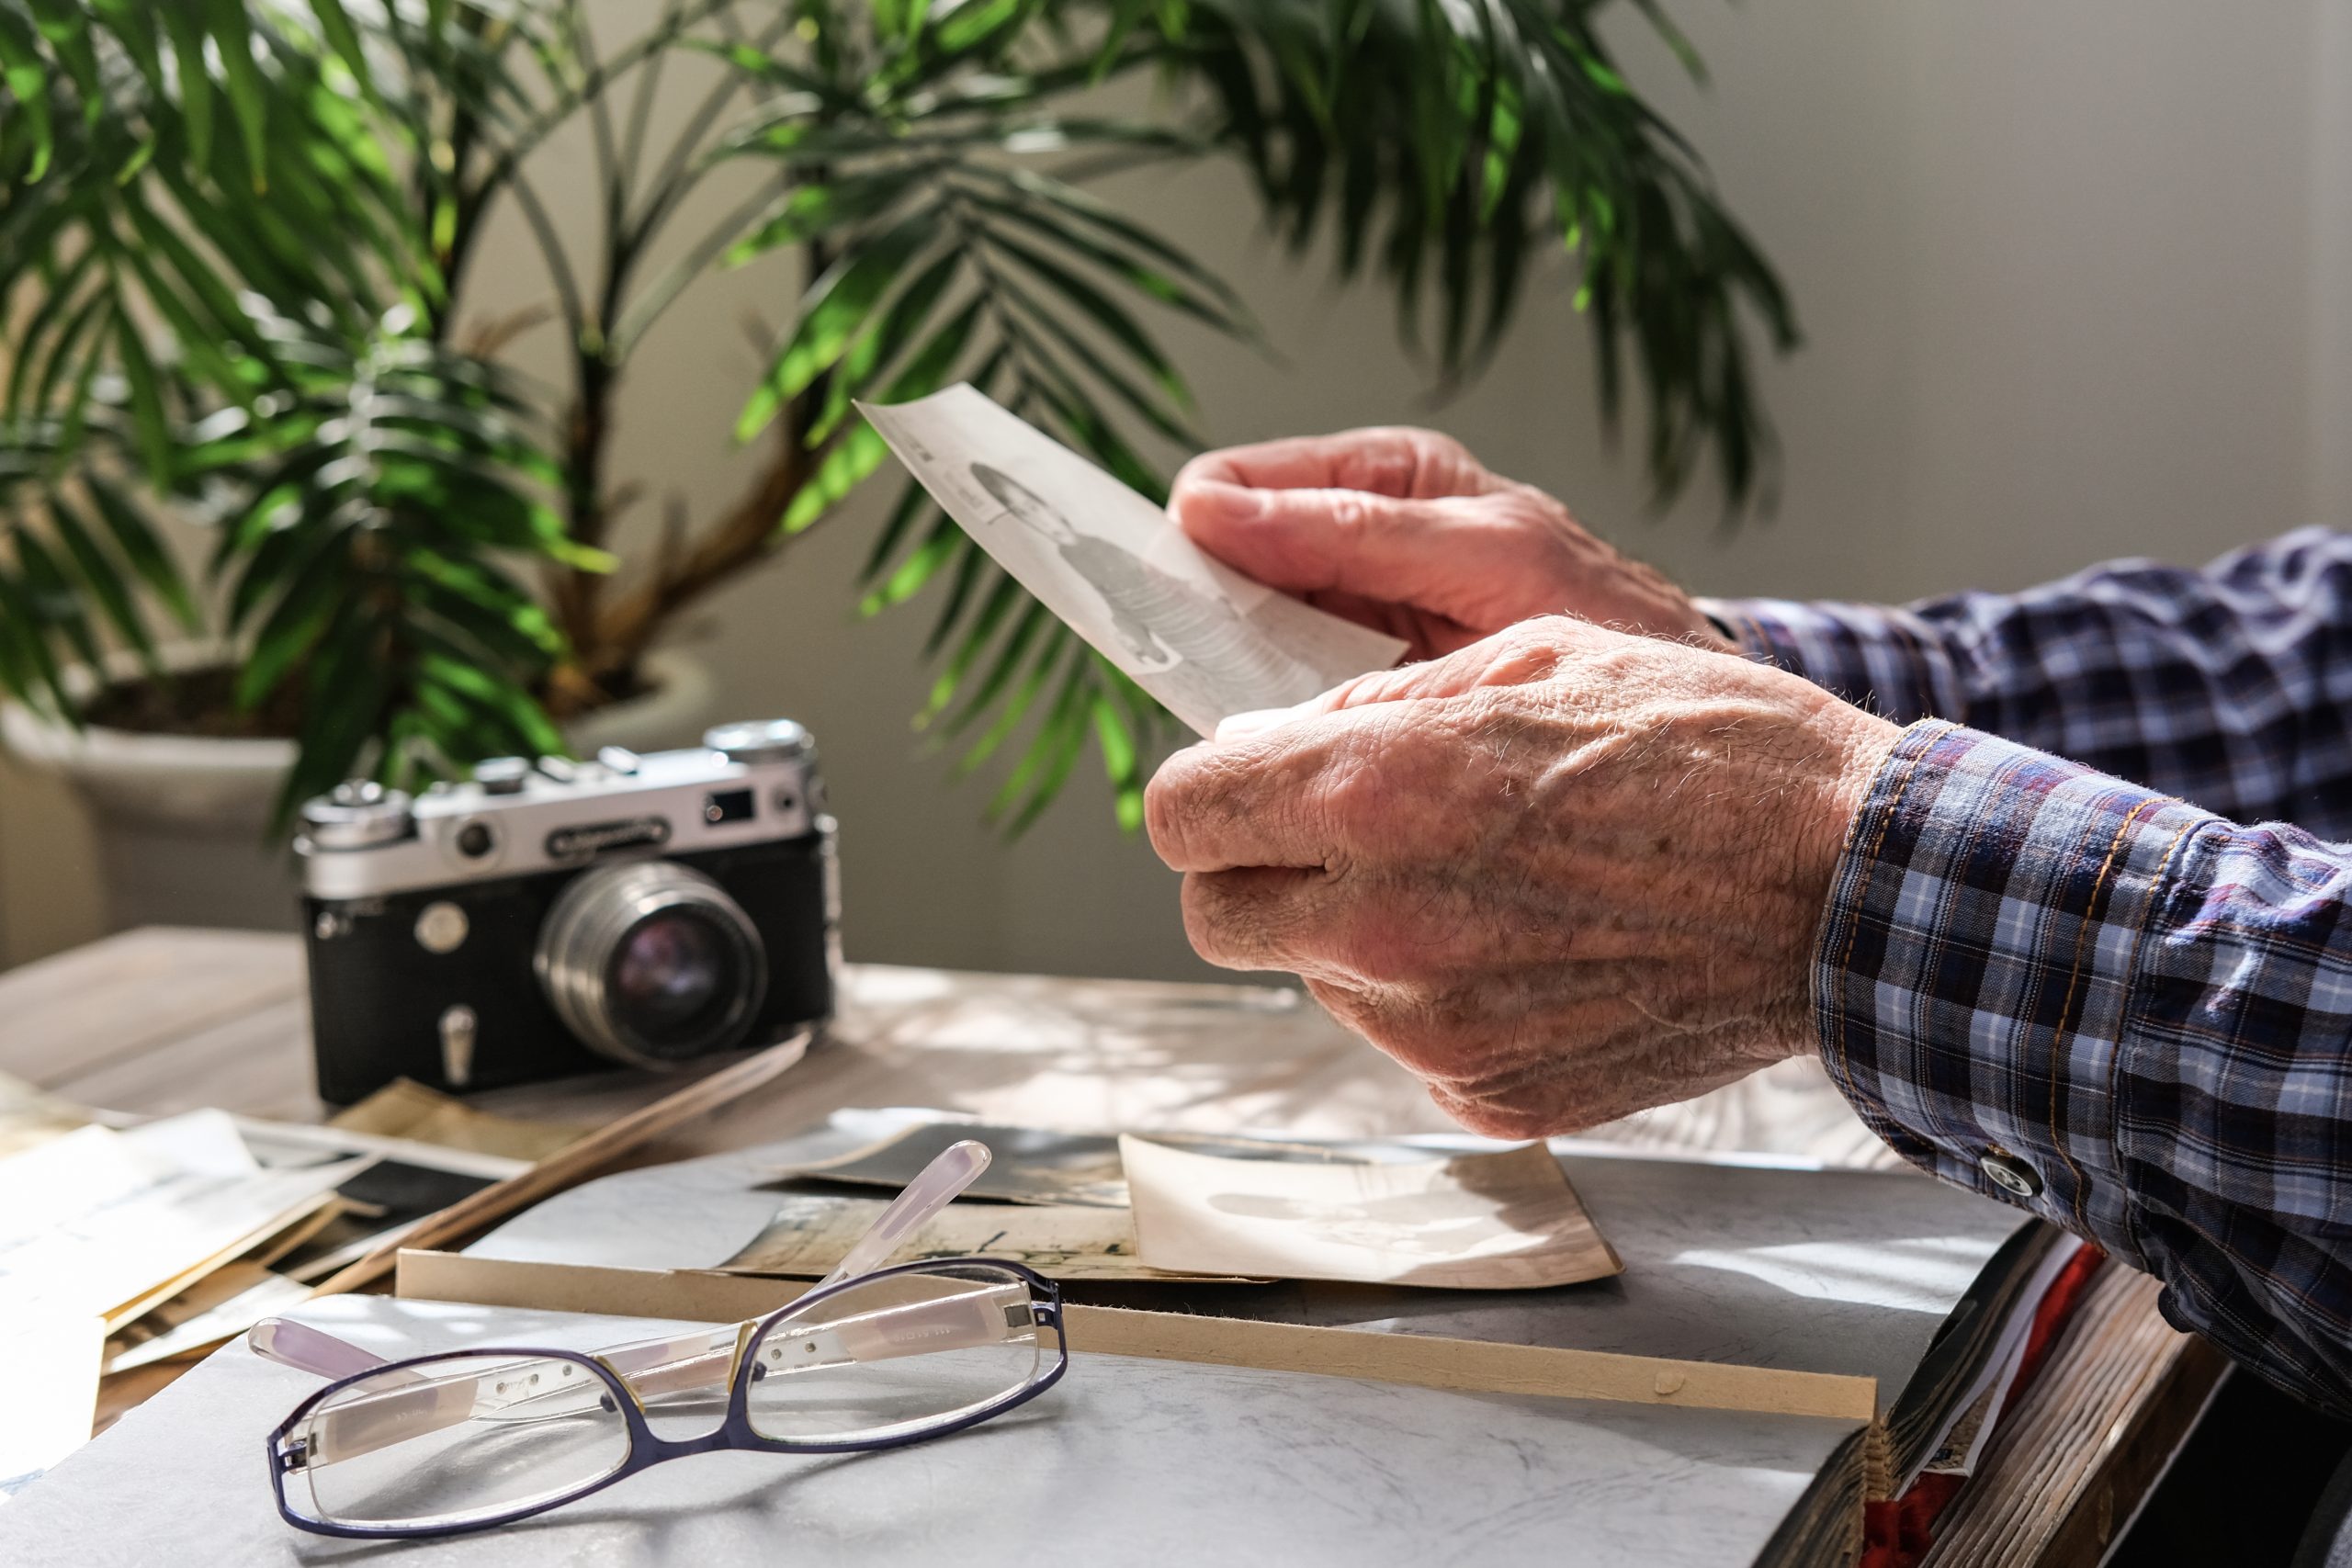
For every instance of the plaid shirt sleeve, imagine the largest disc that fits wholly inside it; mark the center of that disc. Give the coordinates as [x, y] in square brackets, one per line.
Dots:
[2229, 686]
[2084, 997]
[2126, 1014]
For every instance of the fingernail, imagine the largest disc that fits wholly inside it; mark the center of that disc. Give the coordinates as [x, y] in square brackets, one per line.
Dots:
[1237, 502]
[1242, 725]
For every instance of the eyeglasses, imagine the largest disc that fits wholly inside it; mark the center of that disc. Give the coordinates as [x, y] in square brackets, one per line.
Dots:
[869, 1359]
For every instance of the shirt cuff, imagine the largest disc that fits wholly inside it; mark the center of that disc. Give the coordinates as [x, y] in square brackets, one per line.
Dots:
[1891, 663]
[1973, 975]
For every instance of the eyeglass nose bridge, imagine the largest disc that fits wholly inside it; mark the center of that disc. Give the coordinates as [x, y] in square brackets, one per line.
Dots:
[710, 1370]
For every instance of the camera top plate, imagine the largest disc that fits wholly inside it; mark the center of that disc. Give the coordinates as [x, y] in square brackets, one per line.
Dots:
[748, 784]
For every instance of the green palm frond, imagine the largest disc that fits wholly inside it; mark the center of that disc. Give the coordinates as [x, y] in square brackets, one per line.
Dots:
[234, 238]
[374, 568]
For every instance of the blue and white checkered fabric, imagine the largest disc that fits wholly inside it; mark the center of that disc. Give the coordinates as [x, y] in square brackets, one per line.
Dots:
[2145, 1003]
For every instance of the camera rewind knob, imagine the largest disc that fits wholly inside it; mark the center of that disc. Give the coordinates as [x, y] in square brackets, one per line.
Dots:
[766, 741]
[356, 815]
[502, 775]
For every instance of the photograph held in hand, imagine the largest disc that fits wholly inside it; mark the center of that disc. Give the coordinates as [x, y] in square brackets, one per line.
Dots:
[1203, 638]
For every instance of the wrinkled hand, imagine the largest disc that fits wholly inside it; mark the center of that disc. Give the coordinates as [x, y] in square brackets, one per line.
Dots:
[1561, 874]
[1403, 531]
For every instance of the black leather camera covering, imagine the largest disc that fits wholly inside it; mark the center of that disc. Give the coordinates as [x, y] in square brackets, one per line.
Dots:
[377, 995]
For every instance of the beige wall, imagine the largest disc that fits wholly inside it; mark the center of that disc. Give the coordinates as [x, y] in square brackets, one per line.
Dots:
[2076, 281]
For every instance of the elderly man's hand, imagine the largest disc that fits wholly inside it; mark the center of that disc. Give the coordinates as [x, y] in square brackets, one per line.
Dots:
[1561, 874]
[1404, 532]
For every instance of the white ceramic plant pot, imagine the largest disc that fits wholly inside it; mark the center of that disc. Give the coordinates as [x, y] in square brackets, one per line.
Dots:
[180, 819]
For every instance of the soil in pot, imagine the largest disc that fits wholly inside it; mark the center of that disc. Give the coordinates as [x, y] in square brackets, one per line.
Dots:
[203, 702]
[194, 702]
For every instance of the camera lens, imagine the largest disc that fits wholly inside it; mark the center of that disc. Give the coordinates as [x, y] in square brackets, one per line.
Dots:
[651, 964]
[672, 974]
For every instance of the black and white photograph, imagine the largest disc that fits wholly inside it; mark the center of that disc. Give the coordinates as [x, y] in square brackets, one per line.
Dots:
[1199, 637]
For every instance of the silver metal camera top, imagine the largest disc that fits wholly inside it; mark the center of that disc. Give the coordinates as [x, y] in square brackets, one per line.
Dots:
[356, 815]
[768, 740]
[502, 775]
[518, 818]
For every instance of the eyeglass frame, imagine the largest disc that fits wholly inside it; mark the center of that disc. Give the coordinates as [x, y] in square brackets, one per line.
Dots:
[648, 1449]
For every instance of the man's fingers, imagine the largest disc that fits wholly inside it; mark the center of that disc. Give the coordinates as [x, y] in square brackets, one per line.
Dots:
[1469, 558]
[1257, 917]
[1317, 540]
[1253, 803]
[1384, 460]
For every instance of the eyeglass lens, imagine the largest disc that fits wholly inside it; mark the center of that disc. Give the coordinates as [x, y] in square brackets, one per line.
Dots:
[895, 1356]
[454, 1440]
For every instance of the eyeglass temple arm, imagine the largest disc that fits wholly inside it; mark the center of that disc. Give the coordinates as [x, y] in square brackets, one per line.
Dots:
[679, 1363]
[675, 1363]
[970, 1319]
[297, 1345]
[954, 1167]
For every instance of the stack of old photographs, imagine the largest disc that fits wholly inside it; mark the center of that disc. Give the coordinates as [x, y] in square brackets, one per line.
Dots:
[396, 1158]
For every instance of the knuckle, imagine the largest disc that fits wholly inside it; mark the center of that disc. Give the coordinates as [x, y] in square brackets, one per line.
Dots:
[1381, 458]
[1351, 516]
[1202, 930]
[1438, 463]
[1539, 648]
[1351, 798]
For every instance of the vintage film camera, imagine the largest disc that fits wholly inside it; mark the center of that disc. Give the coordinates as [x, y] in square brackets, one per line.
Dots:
[552, 917]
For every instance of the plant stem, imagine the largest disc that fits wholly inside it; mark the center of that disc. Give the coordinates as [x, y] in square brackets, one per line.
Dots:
[746, 533]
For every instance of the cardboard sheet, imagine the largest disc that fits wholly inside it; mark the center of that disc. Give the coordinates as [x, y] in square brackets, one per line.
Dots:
[1463, 1366]
[1479, 1221]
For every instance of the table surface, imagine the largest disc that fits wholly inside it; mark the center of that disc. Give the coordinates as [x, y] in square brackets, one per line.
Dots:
[163, 1019]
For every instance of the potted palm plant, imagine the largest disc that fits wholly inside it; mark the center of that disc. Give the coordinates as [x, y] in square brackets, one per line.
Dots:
[235, 240]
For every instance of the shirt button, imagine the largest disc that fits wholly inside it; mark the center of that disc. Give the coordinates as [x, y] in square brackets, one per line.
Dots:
[2010, 1174]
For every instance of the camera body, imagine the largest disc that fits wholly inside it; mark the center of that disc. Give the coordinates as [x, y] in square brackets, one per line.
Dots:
[552, 917]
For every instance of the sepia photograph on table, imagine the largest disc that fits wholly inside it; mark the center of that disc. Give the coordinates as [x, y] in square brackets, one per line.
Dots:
[1306, 782]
